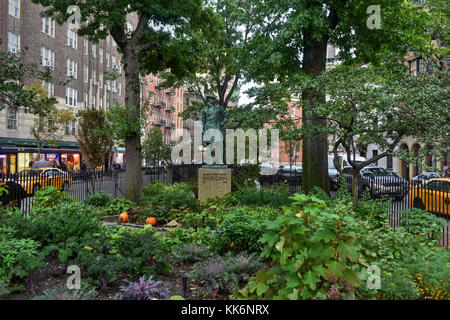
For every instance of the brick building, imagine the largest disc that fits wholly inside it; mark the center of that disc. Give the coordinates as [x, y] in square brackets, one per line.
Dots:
[165, 107]
[83, 64]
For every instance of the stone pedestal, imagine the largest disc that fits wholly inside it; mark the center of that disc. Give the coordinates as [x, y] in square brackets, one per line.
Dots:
[213, 182]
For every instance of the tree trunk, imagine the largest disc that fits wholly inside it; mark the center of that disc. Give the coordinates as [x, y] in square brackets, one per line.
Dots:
[315, 147]
[355, 194]
[133, 140]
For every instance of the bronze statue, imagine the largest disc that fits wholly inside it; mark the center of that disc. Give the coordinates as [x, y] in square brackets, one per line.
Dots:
[213, 117]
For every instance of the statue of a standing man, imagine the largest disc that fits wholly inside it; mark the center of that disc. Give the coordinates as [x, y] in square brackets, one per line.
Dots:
[213, 117]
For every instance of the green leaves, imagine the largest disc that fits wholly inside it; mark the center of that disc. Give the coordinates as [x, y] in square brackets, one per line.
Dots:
[310, 249]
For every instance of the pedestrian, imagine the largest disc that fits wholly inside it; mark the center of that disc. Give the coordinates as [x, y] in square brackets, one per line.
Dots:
[63, 166]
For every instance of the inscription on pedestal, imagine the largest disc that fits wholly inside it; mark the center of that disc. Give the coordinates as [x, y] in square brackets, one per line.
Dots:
[213, 183]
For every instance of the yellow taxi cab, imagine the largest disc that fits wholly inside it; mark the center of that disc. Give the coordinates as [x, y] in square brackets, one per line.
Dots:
[34, 179]
[433, 196]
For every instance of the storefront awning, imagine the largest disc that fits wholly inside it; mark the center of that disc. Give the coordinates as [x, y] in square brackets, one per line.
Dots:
[11, 142]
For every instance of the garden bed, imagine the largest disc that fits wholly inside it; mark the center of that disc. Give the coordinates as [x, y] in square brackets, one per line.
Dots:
[236, 247]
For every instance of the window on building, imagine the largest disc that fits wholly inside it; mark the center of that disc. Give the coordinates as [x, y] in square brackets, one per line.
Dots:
[93, 101]
[419, 66]
[94, 51]
[14, 8]
[13, 42]
[86, 73]
[100, 103]
[100, 55]
[100, 80]
[107, 59]
[74, 126]
[374, 154]
[49, 88]
[86, 47]
[11, 119]
[48, 26]
[120, 88]
[48, 58]
[389, 162]
[114, 86]
[71, 97]
[72, 69]
[86, 100]
[67, 132]
[72, 38]
[50, 123]
[113, 59]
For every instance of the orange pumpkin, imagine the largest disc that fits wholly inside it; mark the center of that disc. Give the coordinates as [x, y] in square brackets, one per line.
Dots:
[123, 217]
[151, 220]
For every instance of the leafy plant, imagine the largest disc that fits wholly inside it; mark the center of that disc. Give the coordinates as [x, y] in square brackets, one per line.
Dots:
[164, 201]
[59, 228]
[191, 252]
[118, 206]
[100, 199]
[226, 273]
[50, 196]
[141, 251]
[96, 258]
[19, 258]
[313, 249]
[252, 196]
[241, 229]
[144, 289]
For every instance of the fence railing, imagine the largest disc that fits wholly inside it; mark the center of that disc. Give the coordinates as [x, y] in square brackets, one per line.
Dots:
[433, 195]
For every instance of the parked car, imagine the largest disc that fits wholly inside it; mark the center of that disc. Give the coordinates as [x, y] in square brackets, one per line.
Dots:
[424, 177]
[160, 167]
[377, 182]
[433, 196]
[333, 173]
[291, 174]
[33, 180]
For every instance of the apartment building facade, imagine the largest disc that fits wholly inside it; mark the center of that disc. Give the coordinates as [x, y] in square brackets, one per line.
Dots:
[164, 108]
[85, 74]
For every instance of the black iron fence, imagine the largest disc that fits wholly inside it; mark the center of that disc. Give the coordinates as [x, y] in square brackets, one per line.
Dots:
[433, 195]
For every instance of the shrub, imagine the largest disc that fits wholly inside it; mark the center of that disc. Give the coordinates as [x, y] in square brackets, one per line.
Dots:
[314, 251]
[226, 273]
[96, 258]
[144, 289]
[241, 229]
[49, 197]
[117, 206]
[141, 251]
[18, 257]
[274, 197]
[100, 199]
[59, 229]
[191, 252]
[179, 236]
[432, 275]
[165, 200]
